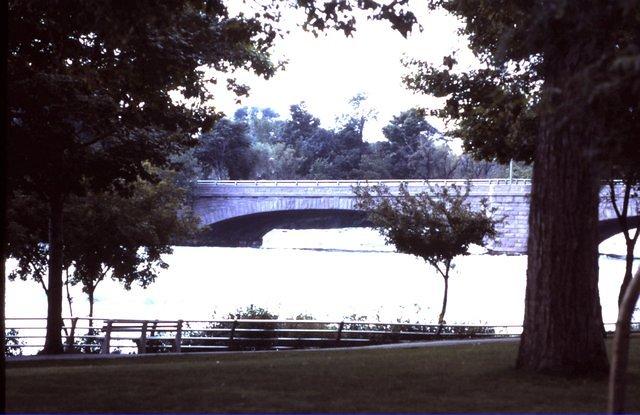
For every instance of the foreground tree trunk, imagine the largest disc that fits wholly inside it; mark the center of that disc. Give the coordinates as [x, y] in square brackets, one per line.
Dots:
[620, 355]
[563, 327]
[53, 341]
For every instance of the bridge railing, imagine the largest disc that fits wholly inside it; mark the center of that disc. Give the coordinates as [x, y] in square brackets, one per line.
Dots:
[351, 183]
[101, 335]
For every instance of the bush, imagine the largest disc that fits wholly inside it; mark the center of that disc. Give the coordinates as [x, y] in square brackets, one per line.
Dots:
[245, 338]
[12, 345]
[88, 345]
[253, 313]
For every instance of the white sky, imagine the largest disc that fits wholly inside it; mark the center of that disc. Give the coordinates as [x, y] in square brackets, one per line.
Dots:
[325, 72]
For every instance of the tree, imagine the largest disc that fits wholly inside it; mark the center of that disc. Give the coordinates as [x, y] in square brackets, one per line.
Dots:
[436, 226]
[128, 235]
[414, 151]
[347, 147]
[111, 235]
[284, 163]
[359, 113]
[300, 128]
[263, 129]
[408, 129]
[303, 134]
[264, 123]
[558, 85]
[226, 152]
[89, 97]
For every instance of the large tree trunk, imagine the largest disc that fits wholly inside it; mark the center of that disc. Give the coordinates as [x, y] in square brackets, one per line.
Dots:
[563, 321]
[53, 341]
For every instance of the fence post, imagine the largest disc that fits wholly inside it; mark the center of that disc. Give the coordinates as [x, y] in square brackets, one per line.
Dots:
[70, 338]
[142, 343]
[153, 328]
[106, 342]
[340, 327]
[395, 332]
[233, 332]
[177, 346]
[233, 329]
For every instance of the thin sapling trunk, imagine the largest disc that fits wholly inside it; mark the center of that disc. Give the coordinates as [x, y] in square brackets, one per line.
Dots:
[445, 276]
[628, 272]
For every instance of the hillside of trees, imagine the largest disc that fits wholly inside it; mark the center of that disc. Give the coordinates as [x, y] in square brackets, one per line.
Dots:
[259, 144]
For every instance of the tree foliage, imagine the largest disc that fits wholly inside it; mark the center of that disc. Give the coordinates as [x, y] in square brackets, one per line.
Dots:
[492, 109]
[258, 144]
[225, 152]
[111, 235]
[129, 234]
[436, 226]
[90, 86]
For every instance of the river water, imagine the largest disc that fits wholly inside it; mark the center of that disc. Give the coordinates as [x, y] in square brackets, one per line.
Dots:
[328, 274]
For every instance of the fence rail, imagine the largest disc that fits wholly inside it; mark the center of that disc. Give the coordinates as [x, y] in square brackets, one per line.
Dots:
[351, 183]
[101, 335]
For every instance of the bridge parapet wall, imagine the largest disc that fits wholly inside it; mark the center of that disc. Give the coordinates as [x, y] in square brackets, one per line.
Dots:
[212, 188]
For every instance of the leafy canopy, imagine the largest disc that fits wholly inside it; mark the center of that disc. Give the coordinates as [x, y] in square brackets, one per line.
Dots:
[436, 226]
[524, 48]
[110, 235]
[90, 85]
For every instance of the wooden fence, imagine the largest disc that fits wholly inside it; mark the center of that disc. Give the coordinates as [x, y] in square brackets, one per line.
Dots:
[99, 335]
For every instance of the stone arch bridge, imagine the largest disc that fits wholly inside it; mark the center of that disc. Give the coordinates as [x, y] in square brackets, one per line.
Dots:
[240, 213]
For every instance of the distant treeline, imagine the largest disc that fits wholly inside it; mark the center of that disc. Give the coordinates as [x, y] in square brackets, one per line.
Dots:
[258, 144]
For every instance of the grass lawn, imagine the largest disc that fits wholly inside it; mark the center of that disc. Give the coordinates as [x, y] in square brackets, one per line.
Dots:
[465, 378]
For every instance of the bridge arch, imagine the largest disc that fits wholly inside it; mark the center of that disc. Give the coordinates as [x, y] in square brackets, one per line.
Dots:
[248, 230]
[610, 227]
